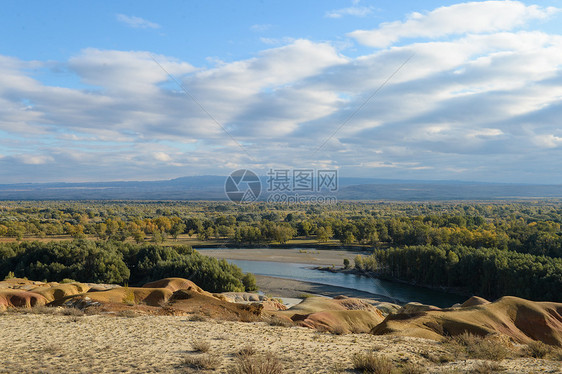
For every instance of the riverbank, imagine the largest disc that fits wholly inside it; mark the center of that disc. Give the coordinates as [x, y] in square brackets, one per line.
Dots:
[375, 275]
[282, 287]
[325, 257]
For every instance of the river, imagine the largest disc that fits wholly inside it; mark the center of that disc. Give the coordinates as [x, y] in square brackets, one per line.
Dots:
[400, 292]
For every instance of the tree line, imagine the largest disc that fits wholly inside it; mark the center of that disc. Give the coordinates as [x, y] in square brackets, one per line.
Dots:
[488, 272]
[118, 262]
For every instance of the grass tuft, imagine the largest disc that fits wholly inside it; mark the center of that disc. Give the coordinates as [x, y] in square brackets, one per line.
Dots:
[266, 363]
[538, 349]
[372, 363]
[201, 346]
[246, 350]
[487, 367]
[204, 362]
[411, 368]
[474, 346]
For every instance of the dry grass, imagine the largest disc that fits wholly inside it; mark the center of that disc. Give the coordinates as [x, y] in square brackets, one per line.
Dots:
[372, 363]
[487, 367]
[538, 349]
[411, 368]
[278, 321]
[202, 362]
[201, 346]
[199, 318]
[266, 363]
[338, 330]
[73, 312]
[127, 313]
[247, 350]
[488, 350]
[473, 346]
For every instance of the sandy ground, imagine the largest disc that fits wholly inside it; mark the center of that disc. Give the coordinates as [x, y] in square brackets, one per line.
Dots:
[282, 287]
[297, 256]
[35, 343]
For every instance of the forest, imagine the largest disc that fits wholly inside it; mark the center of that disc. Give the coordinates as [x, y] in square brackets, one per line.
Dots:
[488, 248]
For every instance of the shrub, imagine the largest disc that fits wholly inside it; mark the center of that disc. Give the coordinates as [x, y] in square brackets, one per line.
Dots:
[246, 350]
[474, 346]
[249, 281]
[372, 363]
[338, 330]
[257, 364]
[73, 312]
[487, 367]
[278, 321]
[488, 350]
[201, 346]
[411, 368]
[538, 349]
[204, 362]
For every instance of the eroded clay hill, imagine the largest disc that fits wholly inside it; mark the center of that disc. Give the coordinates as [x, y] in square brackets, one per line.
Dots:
[519, 319]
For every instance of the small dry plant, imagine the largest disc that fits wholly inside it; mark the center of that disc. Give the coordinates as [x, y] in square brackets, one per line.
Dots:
[487, 367]
[278, 321]
[203, 362]
[198, 318]
[266, 363]
[201, 346]
[474, 346]
[338, 330]
[127, 313]
[411, 368]
[75, 312]
[372, 363]
[538, 349]
[246, 350]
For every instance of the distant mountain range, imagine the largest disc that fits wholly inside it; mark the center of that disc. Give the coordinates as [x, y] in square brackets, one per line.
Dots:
[212, 188]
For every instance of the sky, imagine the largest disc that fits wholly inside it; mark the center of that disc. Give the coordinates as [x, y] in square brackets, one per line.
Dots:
[145, 90]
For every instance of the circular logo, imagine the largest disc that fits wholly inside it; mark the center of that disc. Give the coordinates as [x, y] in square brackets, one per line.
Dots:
[242, 186]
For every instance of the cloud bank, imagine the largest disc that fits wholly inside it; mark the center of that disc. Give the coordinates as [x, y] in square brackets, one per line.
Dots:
[480, 100]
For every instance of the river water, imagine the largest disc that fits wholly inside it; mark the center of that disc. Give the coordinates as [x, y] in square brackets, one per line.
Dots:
[400, 292]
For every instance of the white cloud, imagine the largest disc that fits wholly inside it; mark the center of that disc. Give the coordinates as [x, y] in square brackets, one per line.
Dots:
[161, 156]
[478, 105]
[548, 141]
[136, 22]
[355, 10]
[31, 159]
[260, 27]
[472, 17]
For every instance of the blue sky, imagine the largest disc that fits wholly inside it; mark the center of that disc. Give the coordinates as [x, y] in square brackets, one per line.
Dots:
[475, 89]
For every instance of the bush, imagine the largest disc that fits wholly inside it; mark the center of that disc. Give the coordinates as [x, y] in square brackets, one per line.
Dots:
[411, 368]
[249, 281]
[201, 346]
[474, 346]
[247, 350]
[487, 367]
[372, 363]
[538, 349]
[205, 362]
[257, 364]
